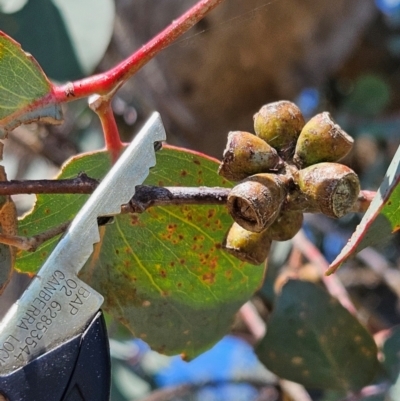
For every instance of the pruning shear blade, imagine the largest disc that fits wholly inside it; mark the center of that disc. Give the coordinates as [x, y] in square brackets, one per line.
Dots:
[57, 305]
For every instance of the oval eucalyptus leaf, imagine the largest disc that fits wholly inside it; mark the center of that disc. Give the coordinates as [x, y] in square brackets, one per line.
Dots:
[16, 97]
[313, 340]
[163, 273]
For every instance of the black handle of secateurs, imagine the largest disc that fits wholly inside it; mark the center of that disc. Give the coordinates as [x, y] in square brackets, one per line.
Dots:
[78, 370]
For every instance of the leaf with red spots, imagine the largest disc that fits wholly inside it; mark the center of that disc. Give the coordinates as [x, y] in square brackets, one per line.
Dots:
[313, 340]
[23, 85]
[162, 273]
[382, 218]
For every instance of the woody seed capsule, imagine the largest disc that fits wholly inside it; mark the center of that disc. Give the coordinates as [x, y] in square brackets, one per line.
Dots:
[255, 202]
[279, 124]
[332, 187]
[245, 155]
[247, 246]
[321, 140]
[286, 226]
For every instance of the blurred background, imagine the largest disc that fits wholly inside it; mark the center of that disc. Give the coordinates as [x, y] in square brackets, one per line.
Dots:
[342, 57]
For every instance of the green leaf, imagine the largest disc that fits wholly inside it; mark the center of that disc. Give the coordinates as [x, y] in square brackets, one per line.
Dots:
[311, 339]
[163, 273]
[382, 218]
[22, 84]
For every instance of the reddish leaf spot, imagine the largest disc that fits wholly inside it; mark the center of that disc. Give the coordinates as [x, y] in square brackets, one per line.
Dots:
[172, 264]
[183, 173]
[228, 274]
[163, 273]
[218, 246]
[117, 251]
[211, 213]
[180, 236]
[135, 220]
[179, 285]
[172, 227]
[47, 211]
[195, 161]
[209, 278]
[160, 183]
[182, 261]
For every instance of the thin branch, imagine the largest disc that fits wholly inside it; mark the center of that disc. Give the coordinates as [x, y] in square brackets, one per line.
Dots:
[82, 184]
[295, 391]
[30, 244]
[101, 105]
[149, 196]
[106, 82]
[332, 283]
[255, 324]
[145, 196]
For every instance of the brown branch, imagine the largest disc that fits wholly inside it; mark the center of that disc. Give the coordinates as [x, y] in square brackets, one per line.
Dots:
[145, 196]
[30, 244]
[82, 184]
[149, 196]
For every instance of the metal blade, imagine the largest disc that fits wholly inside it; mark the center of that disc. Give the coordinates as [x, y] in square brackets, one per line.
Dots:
[57, 305]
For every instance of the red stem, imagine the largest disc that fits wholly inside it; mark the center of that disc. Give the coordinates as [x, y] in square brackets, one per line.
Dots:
[111, 135]
[104, 83]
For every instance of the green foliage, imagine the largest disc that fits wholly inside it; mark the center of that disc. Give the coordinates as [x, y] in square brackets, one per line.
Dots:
[22, 84]
[313, 340]
[163, 273]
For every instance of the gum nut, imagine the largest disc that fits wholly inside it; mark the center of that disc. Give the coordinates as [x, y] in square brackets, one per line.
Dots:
[332, 187]
[321, 140]
[255, 202]
[246, 154]
[286, 225]
[246, 245]
[279, 124]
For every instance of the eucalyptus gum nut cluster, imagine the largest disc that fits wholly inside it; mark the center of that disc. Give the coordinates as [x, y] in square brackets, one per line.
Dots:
[321, 140]
[332, 187]
[246, 154]
[247, 246]
[256, 202]
[279, 124]
[286, 226]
